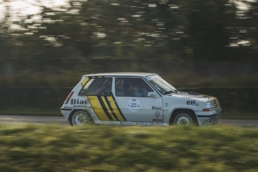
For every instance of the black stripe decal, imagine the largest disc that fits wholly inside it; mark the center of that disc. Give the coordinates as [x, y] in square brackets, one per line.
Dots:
[111, 108]
[95, 77]
[66, 109]
[118, 107]
[104, 108]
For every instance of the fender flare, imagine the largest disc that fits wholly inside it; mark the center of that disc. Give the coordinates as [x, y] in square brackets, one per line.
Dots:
[178, 109]
[75, 110]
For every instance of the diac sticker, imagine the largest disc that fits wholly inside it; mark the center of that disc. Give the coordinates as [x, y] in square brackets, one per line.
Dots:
[133, 105]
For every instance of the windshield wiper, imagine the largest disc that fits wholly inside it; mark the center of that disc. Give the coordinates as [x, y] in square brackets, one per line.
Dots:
[171, 91]
[168, 92]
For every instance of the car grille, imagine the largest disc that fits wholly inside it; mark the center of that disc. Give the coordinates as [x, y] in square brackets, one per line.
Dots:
[215, 118]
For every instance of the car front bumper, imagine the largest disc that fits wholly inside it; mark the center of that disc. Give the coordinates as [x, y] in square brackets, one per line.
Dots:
[209, 118]
[66, 112]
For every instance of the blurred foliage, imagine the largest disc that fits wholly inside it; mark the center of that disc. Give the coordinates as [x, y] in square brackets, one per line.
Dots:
[190, 43]
[127, 149]
[236, 103]
[97, 35]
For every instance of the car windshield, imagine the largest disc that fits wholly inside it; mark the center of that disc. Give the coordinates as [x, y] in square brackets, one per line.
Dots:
[160, 84]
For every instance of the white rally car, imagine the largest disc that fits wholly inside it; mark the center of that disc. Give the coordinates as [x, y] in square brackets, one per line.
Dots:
[136, 99]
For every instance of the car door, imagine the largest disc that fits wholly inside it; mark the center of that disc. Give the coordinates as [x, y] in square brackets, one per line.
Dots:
[131, 95]
[99, 94]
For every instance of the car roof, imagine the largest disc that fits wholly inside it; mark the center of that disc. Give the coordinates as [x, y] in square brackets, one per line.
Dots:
[122, 74]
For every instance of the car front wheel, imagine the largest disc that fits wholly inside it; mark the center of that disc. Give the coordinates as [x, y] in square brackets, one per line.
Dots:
[183, 118]
[79, 118]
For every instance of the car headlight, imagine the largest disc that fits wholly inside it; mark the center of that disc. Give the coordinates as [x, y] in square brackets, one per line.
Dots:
[208, 106]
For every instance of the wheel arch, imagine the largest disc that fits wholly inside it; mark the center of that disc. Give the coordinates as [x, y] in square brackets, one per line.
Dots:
[76, 110]
[179, 109]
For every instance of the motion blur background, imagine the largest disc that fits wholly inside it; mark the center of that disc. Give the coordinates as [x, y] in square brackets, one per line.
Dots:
[209, 47]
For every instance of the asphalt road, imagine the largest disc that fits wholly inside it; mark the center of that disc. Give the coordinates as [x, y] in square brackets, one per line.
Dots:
[10, 119]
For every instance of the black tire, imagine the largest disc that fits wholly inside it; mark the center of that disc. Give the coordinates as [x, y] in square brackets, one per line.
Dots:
[183, 118]
[80, 118]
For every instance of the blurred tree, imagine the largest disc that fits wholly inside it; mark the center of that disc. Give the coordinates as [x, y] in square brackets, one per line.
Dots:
[246, 33]
[159, 33]
[206, 23]
[53, 42]
[5, 42]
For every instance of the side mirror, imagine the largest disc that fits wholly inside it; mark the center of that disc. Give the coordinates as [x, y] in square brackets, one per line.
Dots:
[151, 94]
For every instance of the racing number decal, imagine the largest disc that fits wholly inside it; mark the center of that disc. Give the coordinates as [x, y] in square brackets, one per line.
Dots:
[106, 108]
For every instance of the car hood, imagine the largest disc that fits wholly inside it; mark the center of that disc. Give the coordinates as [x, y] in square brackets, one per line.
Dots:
[191, 95]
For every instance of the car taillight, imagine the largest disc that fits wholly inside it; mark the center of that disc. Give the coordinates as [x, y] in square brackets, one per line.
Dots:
[68, 97]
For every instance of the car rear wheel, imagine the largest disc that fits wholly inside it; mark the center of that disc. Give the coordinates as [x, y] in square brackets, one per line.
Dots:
[79, 118]
[183, 118]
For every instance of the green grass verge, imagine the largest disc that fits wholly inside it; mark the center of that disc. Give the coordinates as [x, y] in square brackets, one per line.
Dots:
[58, 148]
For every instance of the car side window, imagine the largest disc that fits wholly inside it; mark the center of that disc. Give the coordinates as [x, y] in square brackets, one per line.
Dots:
[97, 86]
[132, 87]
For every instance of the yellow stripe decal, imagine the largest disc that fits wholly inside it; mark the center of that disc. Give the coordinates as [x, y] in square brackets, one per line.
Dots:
[85, 81]
[98, 108]
[108, 110]
[111, 109]
[113, 104]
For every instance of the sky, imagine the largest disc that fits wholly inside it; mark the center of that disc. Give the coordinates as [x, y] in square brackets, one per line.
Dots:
[26, 7]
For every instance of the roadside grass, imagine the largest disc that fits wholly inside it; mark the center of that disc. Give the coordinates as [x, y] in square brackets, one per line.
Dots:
[127, 149]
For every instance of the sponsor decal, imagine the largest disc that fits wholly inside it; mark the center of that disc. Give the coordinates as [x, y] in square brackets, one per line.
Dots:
[139, 123]
[157, 114]
[156, 108]
[78, 101]
[157, 120]
[157, 117]
[153, 100]
[190, 102]
[80, 106]
[166, 104]
[133, 105]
